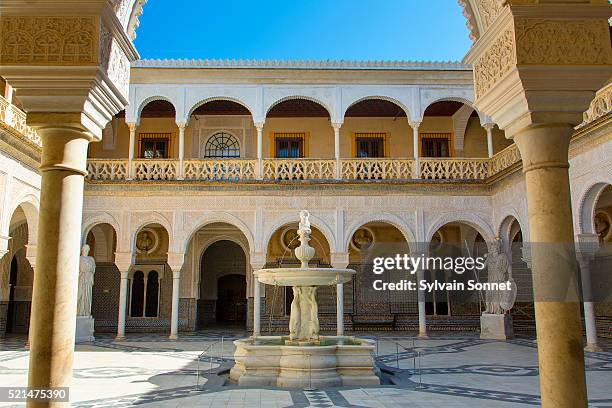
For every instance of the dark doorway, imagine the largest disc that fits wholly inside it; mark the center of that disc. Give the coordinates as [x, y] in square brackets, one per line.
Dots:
[222, 286]
[18, 313]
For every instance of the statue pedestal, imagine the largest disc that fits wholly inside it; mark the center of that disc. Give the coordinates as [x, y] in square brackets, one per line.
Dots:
[84, 329]
[496, 326]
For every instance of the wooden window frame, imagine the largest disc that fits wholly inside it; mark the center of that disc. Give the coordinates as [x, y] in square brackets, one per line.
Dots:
[305, 136]
[373, 135]
[169, 136]
[438, 135]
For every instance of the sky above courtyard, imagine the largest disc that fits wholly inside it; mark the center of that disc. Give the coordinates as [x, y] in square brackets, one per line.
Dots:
[304, 29]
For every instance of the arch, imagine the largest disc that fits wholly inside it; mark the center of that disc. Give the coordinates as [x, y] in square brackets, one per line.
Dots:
[504, 229]
[450, 98]
[288, 219]
[222, 217]
[153, 218]
[204, 101]
[381, 97]
[304, 97]
[474, 221]
[154, 98]
[588, 202]
[387, 218]
[100, 218]
[30, 205]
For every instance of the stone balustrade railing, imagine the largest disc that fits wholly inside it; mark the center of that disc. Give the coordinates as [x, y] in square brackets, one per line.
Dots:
[377, 169]
[219, 170]
[299, 169]
[239, 170]
[16, 118]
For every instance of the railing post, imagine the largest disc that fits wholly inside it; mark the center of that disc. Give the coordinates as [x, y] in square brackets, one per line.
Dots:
[489, 128]
[415, 148]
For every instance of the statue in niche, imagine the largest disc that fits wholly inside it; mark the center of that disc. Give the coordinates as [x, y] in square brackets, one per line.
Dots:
[363, 239]
[498, 271]
[87, 268]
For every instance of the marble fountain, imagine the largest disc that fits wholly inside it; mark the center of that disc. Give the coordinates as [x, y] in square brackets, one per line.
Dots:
[304, 358]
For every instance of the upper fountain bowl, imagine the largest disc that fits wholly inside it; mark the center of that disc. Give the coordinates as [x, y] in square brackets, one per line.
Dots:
[304, 276]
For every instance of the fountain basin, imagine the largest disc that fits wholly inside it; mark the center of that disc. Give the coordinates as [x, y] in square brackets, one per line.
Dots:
[304, 276]
[337, 361]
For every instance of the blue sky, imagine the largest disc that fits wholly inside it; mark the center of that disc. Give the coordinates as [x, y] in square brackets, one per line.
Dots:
[303, 29]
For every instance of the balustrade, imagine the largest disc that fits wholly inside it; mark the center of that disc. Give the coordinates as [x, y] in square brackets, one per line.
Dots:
[454, 169]
[155, 170]
[219, 170]
[299, 169]
[106, 170]
[377, 169]
[16, 118]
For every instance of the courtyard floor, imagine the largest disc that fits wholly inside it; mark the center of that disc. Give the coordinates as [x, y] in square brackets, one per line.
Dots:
[455, 371]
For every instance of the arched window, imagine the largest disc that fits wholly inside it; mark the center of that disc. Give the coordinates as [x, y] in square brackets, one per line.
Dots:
[152, 295]
[136, 304]
[222, 145]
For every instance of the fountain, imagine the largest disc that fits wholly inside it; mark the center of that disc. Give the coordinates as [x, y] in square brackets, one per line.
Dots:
[304, 358]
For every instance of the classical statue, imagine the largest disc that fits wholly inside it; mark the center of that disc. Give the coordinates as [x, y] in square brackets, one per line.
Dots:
[304, 319]
[497, 267]
[87, 268]
[304, 221]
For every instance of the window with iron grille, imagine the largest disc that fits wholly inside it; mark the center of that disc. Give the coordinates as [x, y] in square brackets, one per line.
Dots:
[435, 144]
[222, 145]
[154, 145]
[289, 145]
[370, 145]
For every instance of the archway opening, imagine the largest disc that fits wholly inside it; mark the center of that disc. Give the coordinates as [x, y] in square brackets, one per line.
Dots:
[16, 279]
[374, 309]
[223, 286]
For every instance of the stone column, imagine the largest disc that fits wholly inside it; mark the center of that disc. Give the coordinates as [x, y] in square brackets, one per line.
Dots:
[174, 320]
[256, 307]
[544, 151]
[259, 170]
[132, 147]
[420, 274]
[54, 296]
[340, 309]
[121, 317]
[415, 148]
[181, 153]
[489, 128]
[337, 127]
[588, 245]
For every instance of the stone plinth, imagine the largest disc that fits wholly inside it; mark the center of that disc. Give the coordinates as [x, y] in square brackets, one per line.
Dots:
[496, 326]
[304, 366]
[84, 329]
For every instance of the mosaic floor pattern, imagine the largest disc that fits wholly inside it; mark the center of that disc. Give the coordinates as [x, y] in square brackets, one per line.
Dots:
[450, 371]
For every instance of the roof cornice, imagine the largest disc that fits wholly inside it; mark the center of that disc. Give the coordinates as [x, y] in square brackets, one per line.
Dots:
[302, 64]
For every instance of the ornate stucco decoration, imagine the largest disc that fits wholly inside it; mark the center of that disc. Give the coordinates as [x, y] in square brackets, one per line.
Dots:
[600, 106]
[496, 61]
[300, 64]
[568, 42]
[64, 40]
[488, 11]
[470, 17]
[128, 12]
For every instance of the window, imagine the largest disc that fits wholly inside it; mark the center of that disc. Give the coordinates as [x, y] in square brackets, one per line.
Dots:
[370, 145]
[435, 144]
[144, 294]
[154, 145]
[222, 145]
[289, 145]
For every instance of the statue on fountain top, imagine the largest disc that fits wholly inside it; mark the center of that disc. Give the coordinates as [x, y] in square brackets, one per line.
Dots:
[304, 221]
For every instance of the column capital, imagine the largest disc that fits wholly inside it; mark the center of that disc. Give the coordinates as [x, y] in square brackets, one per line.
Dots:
[488, 126]
[414, 124]
[124, 261]
[181, 125]
[257, 260]
[132, 126]
[337, 125]
[176, 260]
[31, 255]
[259, 125]
[339, 260]
[4, 241]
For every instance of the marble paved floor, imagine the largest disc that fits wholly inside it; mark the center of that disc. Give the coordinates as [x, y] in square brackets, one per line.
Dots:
[443, 371]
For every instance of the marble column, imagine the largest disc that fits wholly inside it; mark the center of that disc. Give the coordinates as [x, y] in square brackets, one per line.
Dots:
[131, 149]
[489, 128]
[259, 170]
[121, 317]
[415, 149]
[337, 127]
[256, 307]
[54, 296]
[174, 320]
[181, 153]
[588, 245]
[340, 309]
[544, 152]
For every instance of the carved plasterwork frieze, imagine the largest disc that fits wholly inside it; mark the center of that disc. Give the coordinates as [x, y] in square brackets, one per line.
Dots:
[495, 62]
[488, 11]
[568, 42]
[600, 106]
[114, 62]
[65, 40]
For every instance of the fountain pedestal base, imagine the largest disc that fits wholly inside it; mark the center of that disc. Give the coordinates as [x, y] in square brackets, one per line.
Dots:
[337, 361]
